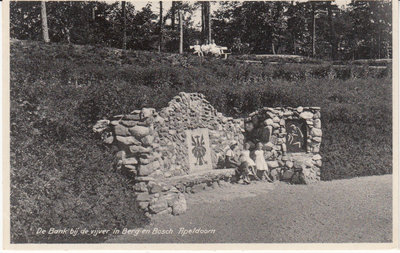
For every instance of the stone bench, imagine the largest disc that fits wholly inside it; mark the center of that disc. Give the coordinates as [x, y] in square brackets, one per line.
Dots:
[197, 181]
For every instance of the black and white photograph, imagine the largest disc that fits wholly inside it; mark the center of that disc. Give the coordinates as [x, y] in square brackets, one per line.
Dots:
[233, 123]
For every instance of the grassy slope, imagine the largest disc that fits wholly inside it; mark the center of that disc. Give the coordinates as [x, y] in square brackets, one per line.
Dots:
[61, 174]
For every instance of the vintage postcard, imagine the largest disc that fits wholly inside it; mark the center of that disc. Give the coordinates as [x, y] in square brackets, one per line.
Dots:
[200, 124]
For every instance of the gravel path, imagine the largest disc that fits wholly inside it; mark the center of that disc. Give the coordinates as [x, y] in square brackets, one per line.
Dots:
[350, 210]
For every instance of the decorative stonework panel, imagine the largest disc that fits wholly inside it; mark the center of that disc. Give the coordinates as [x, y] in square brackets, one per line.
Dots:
[296, 138]
[199, 153]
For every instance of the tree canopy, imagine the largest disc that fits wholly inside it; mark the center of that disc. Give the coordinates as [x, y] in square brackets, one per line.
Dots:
[363, 29]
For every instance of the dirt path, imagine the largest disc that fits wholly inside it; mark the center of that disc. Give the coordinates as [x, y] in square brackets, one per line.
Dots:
[351, 210]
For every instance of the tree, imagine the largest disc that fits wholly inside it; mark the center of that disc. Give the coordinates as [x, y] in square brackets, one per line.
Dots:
[299, 29]
[278, 24]
[124, 24]
[171, 35]
[208, 8]
[260, 24]
[45, 28]
[332, 32]
[146, 29]
[173, 9]
[180, 33]
[206, 20]
[25, 20]
[160, 28]
[372, 27]
[226, 29]
[361, 30]
[313, 28]
[203, 21]
[70, 21]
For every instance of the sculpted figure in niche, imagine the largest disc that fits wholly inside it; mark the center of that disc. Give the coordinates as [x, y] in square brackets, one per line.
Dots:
[296, 136]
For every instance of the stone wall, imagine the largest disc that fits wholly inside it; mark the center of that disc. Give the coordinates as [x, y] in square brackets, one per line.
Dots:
[190, 111]
[291, 139]
[153, 148]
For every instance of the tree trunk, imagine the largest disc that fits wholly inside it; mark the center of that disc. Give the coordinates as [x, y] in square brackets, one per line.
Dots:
[173, 7]
[94, 11]
[332, 33]
[203, 21]
[124, 25]
[313, 29]
[45, 28]
[180, 32]
[209, 21]
[379, 45]
[161, 28]
[206, 21]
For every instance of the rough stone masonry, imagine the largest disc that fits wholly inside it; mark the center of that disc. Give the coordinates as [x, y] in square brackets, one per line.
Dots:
[154, 147]
[291, 138]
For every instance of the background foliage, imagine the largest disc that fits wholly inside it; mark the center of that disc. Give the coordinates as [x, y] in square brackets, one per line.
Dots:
[362, 30]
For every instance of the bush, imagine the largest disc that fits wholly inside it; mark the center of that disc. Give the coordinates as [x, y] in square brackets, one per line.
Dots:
[62, 177]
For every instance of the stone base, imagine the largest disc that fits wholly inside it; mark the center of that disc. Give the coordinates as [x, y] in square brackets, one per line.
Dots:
[198, 181]
[158, 197]
[301, 168]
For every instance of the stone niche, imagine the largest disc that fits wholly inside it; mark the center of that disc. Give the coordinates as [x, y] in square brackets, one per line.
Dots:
[291, 139]
[179, 148]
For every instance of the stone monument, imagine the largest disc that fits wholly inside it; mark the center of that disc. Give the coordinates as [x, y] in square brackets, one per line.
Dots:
[176, 150]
